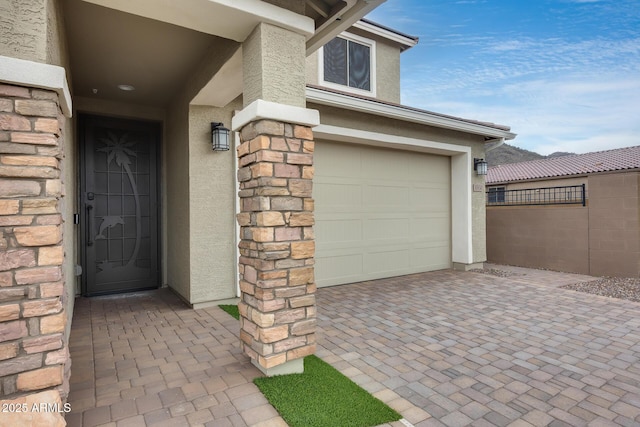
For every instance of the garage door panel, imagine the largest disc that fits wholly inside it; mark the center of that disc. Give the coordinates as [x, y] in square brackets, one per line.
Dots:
[387, 261]
[437, 172]
[431, 228]
[376, 229]
[341, 267]
[376, 166]
[388, 214]
[340, 195]
[338, 229]
[429, 202]
[348, 164]
[437, 259]
[385, 196]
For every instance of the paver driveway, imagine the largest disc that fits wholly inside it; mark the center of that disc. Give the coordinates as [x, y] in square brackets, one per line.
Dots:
[475, 349]
[443, 348]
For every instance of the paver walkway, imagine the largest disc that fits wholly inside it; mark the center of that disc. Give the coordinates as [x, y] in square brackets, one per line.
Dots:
[443, 348]
[146, 359]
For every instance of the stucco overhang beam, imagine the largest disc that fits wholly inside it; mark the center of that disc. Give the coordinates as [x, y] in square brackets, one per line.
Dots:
[348, 102]
[319, 6]
[345, 18]
[230, 19]
[224, 86]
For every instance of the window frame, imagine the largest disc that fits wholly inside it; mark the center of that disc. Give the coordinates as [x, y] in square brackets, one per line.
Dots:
[496, 193]
[371, 44]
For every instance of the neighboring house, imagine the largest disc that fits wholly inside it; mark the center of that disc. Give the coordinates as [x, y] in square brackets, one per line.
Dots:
[577, 213]
[109, 182]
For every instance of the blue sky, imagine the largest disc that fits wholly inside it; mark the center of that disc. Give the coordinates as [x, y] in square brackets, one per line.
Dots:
[564, 74]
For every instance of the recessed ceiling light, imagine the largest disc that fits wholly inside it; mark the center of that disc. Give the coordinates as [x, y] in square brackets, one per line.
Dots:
[127, 88]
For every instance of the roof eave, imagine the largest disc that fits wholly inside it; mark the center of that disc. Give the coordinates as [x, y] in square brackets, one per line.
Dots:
[348, 102]
[562, 176]
[405, 41]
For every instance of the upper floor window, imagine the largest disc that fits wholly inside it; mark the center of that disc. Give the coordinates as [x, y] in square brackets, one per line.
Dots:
[347, 63]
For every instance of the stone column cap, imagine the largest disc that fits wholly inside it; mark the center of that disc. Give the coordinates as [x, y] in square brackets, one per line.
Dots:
[267, 110]
[22, 72]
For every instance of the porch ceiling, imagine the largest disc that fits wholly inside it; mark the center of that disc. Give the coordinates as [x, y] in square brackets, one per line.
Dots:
[108, 48]
[116, 45]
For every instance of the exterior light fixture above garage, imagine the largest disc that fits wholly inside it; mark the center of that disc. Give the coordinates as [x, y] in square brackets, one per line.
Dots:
[480, 166]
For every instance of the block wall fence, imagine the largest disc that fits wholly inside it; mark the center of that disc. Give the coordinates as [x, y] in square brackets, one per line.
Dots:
[600, 239]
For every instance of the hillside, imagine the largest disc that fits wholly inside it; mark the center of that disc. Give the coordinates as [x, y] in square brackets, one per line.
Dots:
[509, 154]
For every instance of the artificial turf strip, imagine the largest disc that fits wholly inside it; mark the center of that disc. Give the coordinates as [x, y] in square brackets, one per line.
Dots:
[323, 397]
[231, 309]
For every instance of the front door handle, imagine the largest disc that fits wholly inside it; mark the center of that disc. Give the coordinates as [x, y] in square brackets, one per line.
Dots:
[89, 225]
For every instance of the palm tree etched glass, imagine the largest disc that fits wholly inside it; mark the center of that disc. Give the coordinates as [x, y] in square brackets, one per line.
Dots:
[120, 148]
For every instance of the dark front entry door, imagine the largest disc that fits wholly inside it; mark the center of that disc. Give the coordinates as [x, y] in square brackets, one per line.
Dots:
[119, 201]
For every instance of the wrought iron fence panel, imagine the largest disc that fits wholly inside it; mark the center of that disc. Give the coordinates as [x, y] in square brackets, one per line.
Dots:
[566, 195]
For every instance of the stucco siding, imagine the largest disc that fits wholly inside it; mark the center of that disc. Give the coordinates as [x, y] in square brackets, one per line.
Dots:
[32, 30]
[312, 77]
[23, 29]
[274, 73]
[388, 73]
[212, 196]
[57, 52]
[176, 149]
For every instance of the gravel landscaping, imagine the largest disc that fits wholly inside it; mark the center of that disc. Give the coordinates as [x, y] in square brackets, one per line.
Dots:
[496, 272]
[613, 287]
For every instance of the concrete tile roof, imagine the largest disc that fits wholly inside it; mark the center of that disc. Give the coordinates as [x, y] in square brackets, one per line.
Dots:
[575, 164]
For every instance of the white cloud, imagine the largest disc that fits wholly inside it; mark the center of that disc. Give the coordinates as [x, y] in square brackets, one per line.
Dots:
[558, 96]
[562, 114]
[575, 87]
[589, 144]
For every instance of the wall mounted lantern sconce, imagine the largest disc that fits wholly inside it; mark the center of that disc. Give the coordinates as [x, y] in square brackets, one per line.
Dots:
[219, 137]
[480, 166]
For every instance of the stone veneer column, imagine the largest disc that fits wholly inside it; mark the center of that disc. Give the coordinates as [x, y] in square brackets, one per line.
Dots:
[277, 245]
[33, 355]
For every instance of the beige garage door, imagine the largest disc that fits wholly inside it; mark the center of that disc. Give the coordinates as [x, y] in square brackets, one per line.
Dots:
[379, 212]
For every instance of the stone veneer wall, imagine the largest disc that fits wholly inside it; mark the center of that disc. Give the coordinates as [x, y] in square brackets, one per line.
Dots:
[277, 242]
[33, 351]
